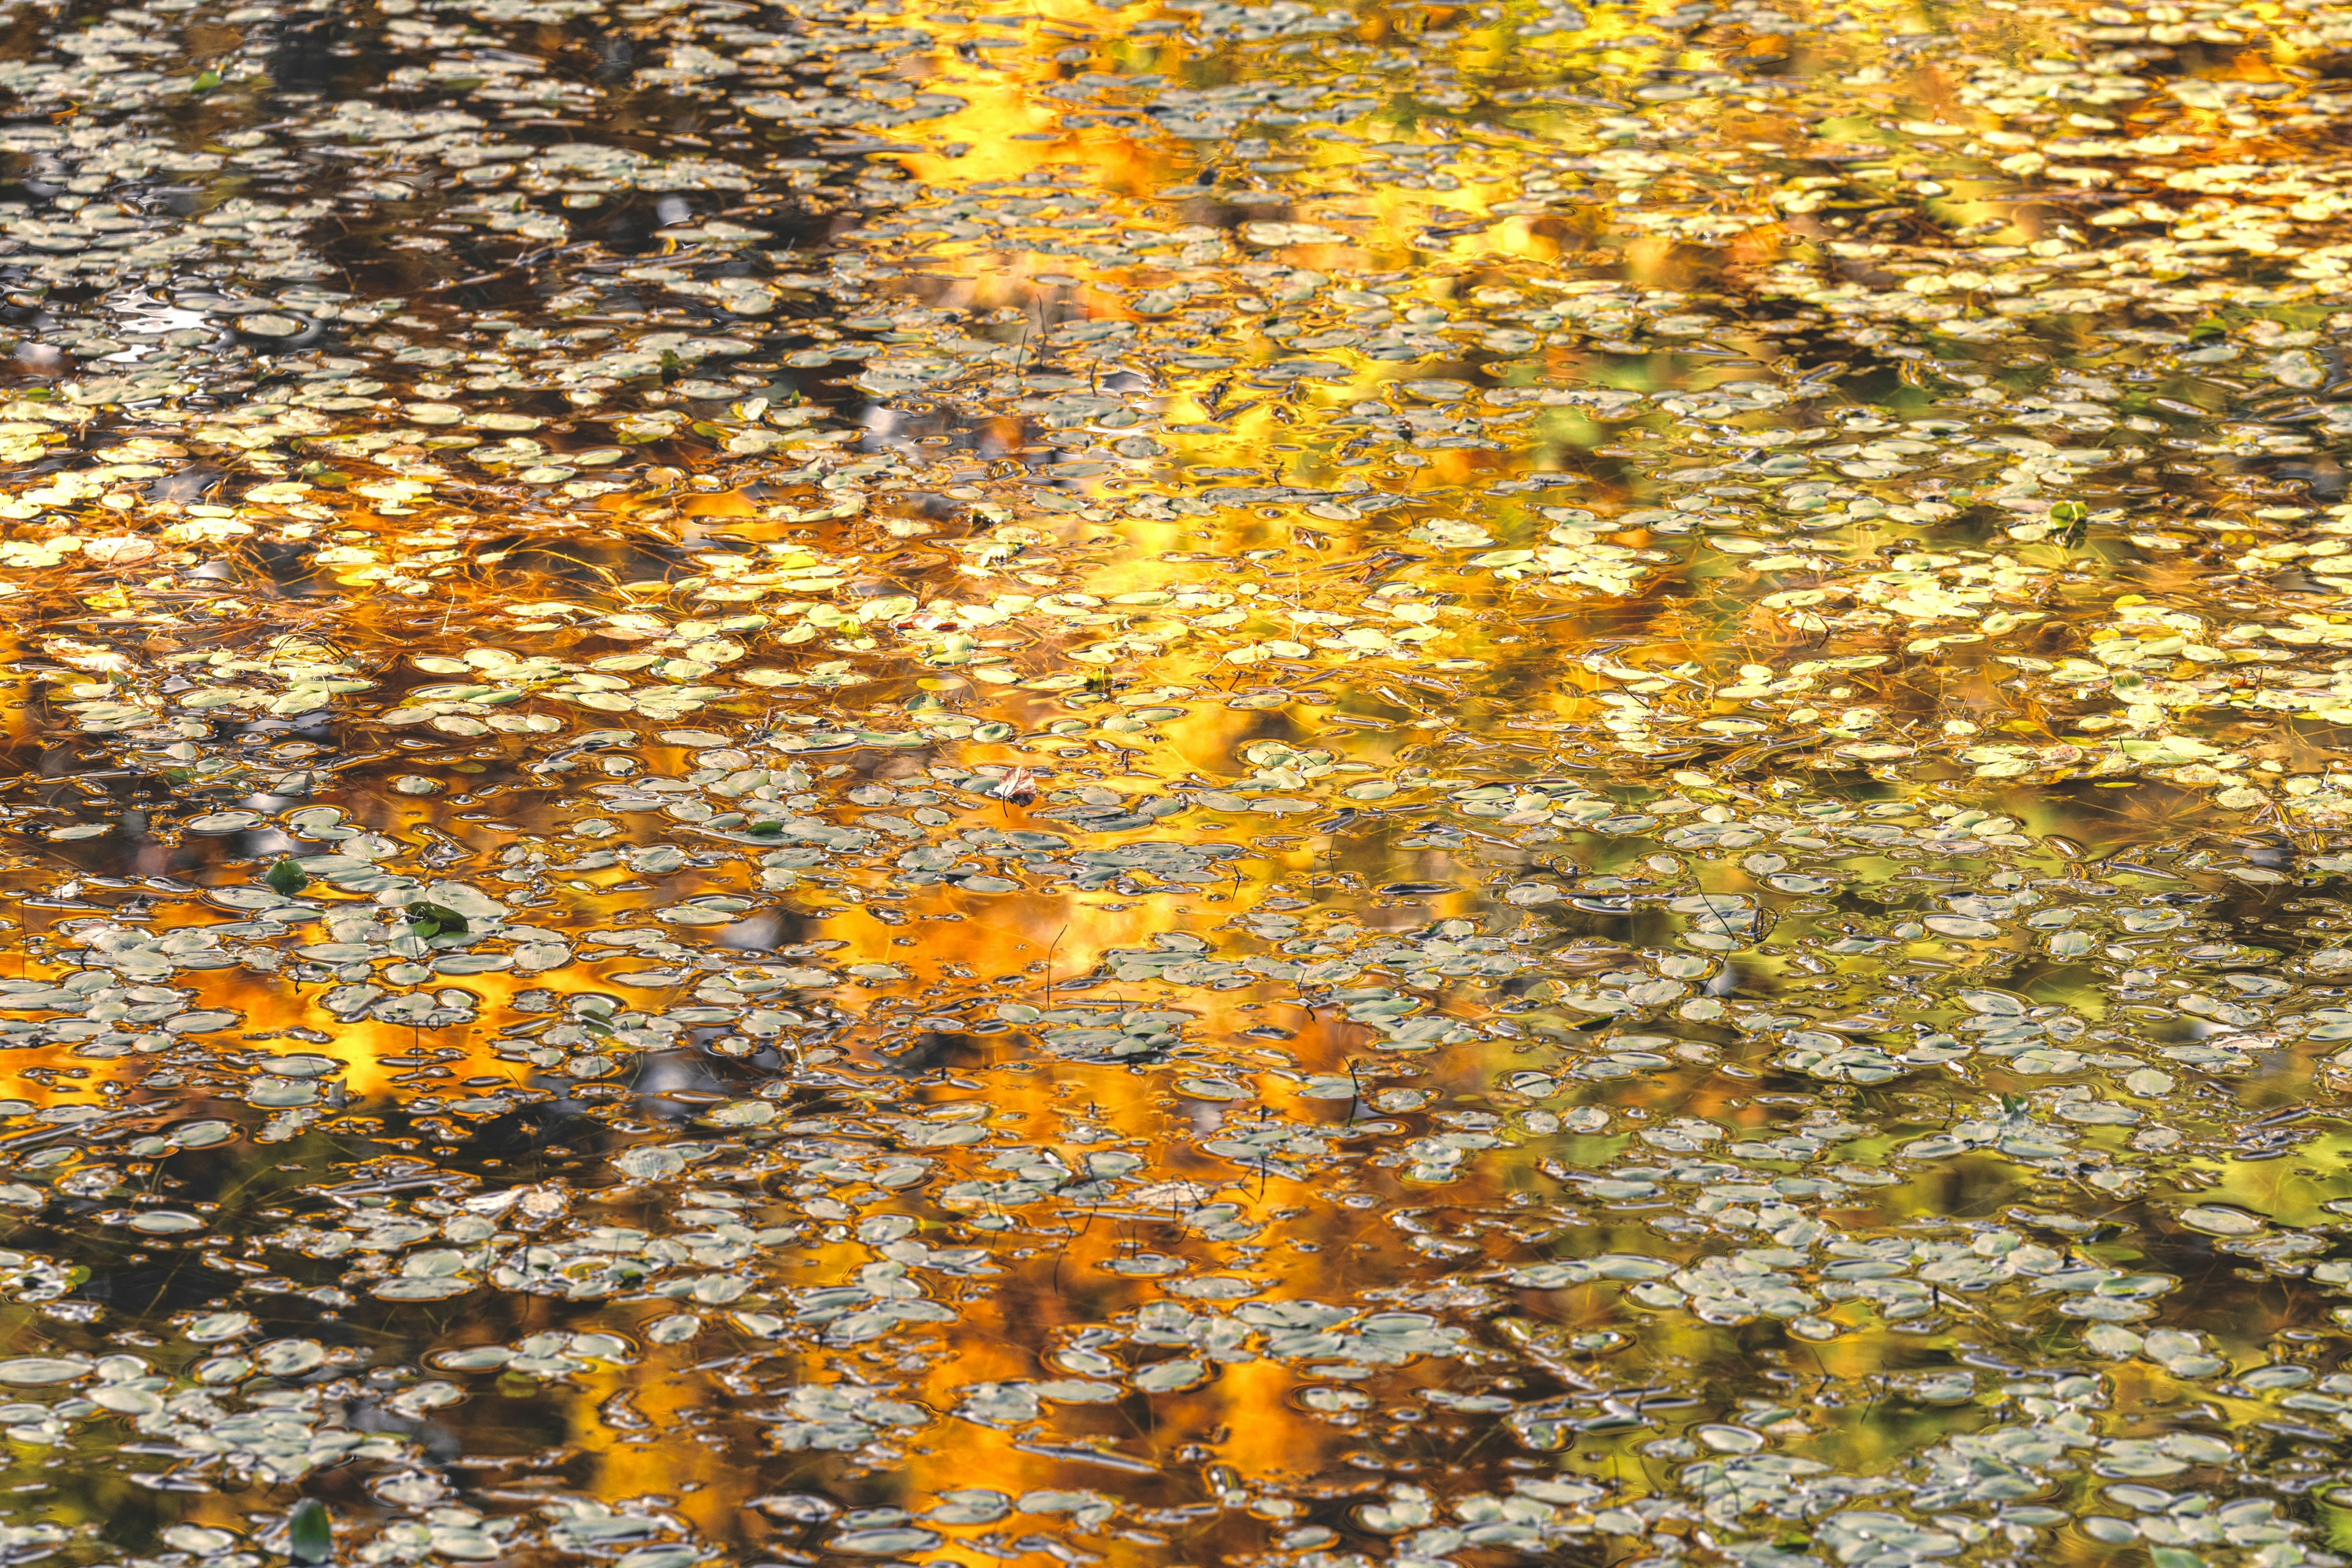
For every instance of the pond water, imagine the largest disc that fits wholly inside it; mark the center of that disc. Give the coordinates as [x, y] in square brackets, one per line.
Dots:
[1181, 785]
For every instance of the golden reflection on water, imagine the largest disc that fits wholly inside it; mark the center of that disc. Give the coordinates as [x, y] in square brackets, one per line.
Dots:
[1708, 659]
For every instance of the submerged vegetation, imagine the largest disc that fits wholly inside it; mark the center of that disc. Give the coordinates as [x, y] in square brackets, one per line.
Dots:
[1177, 783]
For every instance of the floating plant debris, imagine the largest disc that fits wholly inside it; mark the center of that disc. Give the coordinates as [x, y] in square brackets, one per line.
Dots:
[803, 783]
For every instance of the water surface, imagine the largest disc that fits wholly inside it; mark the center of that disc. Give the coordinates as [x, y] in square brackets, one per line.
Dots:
[1175, 785]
